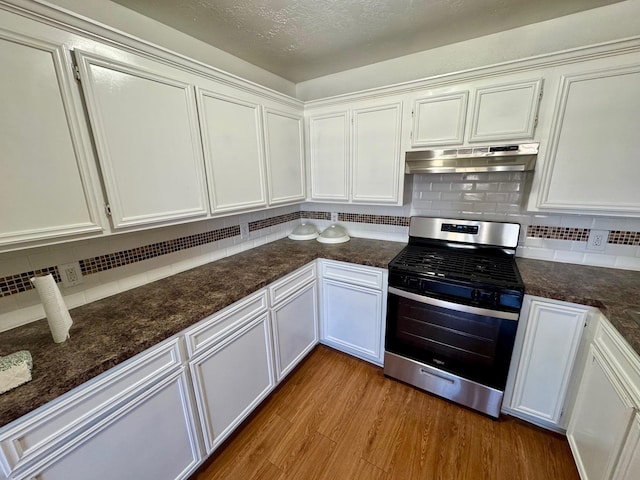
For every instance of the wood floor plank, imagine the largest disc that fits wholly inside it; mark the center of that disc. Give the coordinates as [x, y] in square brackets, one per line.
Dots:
[339, 418]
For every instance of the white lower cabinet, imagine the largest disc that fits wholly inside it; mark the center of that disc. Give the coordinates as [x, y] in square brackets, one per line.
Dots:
[545, 350]
[600, 420]
[295, 328]
[150, 436]
[604, 430]
[352, 314]
[629, 464]
[231, 378]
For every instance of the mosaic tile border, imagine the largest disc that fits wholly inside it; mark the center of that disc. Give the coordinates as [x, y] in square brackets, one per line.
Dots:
[558, 233]
[621, 237]
[375, 219]
[138, 254]
[272, 221]
[18, 283]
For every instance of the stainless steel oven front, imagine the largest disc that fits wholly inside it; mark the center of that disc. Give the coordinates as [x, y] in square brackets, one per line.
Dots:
[457, 351]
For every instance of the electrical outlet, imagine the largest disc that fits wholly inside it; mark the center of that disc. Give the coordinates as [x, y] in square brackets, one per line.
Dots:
[334, 217]
[597, 240]
[70, 274]
[244, 231]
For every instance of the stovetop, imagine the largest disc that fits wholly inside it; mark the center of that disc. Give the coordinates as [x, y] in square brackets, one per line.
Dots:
[475, 266]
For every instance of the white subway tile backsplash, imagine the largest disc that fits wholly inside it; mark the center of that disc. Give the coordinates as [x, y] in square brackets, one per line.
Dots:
[568, 257]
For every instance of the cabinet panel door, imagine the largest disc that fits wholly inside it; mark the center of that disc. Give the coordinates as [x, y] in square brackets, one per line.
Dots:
[232, 138]
[295, 329]
[590, 162]
[352, 320]
[600, 419]
[45, 191]
[329, 152]
[505, 112]
[628, 467]
[285, 156]
[551, 339]
[146, 130]
[152, 436]
[232, 379]
[439, 120]
[376, 154]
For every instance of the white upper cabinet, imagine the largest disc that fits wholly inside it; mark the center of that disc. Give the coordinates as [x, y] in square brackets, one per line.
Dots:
[505, 112]
[329, 156]
[47, 192]
[439, 120]
[355, 154]
[284, 151]
[376, 154]
[479, 111]
[591, 160]
[146, 131]
[233, 151]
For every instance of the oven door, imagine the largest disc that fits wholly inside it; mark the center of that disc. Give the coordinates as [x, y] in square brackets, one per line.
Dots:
[470, 342]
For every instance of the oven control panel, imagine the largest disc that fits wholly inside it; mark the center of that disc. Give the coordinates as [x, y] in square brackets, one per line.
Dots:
[455, 228]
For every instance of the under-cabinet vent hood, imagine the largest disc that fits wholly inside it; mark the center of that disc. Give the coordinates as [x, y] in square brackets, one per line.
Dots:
[499, 158]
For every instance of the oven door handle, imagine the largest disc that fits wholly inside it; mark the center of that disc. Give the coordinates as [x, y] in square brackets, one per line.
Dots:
[454, 306]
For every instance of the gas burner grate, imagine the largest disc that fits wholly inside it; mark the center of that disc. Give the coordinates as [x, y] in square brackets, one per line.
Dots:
[459, 265]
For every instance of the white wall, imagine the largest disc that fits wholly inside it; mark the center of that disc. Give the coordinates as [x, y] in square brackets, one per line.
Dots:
[133, 23]
[620, 20]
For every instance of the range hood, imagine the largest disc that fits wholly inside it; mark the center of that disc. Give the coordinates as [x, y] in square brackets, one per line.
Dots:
[500, 158]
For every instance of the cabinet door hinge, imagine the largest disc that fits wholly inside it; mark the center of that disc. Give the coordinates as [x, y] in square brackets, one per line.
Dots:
[535, 122]
[541, 93]
[76, 72]
[107, 208]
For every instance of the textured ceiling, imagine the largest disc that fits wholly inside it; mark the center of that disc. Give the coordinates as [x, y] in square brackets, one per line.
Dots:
[304, 39]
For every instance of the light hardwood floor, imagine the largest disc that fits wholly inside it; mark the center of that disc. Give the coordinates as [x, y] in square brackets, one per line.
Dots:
[339, 418]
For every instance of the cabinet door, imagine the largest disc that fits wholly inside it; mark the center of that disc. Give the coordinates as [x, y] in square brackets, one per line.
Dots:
[376, 154]
[295, 329]
[152, 436]
[46, 192]
[505, 112]
[591, 162]
[352, 320]
[548, 348]
[146, 131]
[285, 156]
[439, 120]
[231, 379]
[233, 151]
[600, 419]
[628, 467]
[329, 156]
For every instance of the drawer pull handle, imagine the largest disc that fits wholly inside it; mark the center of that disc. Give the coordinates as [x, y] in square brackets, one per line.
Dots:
[426, 372]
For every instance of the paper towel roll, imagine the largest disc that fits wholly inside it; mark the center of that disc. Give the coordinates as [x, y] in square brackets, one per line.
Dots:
[54, 307]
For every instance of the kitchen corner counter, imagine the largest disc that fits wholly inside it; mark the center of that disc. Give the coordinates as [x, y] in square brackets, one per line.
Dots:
[107, 332]
[611, 290]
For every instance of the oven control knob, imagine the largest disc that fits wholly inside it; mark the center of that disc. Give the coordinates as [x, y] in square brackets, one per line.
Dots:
[475, 295]
[495, 298]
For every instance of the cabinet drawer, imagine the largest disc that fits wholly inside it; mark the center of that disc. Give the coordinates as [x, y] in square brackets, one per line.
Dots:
[370, 277]
[225, 321]
[66, 416]
[288, 285]
[625, 360]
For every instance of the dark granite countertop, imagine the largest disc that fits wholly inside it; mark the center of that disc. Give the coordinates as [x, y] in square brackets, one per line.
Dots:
[611, 290]
[112, 330]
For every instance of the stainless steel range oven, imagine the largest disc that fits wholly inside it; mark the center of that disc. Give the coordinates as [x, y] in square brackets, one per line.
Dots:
[453, 304]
